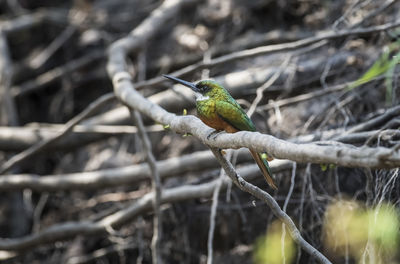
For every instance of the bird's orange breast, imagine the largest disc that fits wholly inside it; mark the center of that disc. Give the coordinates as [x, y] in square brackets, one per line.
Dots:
[218, 123]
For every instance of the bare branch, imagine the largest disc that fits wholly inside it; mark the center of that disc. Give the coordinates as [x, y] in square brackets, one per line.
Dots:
[140, 35]
[266, 197]
[6, 72]
[344, 155]
[33, 19]
[156, 187]
[116, 177]
[56, 73]
[68, 127]
[377, 121]
[213, 213]
[137, 38]
[69, 230]
[49, 51]
[264, 50]
[236, 83]
[20, 138]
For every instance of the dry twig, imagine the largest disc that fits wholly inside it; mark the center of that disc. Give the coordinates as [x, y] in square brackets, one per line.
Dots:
[156, 186]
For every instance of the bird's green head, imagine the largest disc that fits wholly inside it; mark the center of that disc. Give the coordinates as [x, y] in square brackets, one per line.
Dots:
[205, 87]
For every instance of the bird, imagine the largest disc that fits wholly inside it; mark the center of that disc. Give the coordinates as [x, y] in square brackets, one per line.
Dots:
[217, 109]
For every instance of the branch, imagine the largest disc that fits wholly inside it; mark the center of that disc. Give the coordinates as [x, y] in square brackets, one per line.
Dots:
[25, 21]
[140, 35]
[121, 176]
[20, 138]
[15, 139]
[266, 197]
[213, 213]
[245, 41]
[344, 155]
[56, 73]
[156, 187]
[237, 83]
[70, 230]
[376, 121]
[360, 132]
[135, 40]
[9, 113]
[67, 128]
[264, 50]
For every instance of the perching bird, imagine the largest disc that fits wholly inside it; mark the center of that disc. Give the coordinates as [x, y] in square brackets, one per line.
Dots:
[217, 109]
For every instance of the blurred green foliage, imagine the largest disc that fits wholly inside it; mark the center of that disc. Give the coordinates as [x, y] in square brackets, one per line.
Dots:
[325, 167]
[368, 235]
[384, 65]
[275, 247]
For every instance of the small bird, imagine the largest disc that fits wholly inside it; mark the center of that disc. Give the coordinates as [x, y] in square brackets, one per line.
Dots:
[217, 109]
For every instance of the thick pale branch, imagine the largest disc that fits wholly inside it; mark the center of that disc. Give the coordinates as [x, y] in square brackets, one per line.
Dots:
[343, 155]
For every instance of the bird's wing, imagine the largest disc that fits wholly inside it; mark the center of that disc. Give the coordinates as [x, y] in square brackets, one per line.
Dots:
[233, 114]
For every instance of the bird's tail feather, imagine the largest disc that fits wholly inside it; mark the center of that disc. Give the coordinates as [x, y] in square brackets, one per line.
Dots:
[264, 167]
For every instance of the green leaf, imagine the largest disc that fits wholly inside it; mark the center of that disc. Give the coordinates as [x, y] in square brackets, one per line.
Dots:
[384, 65]
[275, 247]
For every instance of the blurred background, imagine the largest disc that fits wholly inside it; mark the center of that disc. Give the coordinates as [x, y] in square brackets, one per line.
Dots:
[53, 57]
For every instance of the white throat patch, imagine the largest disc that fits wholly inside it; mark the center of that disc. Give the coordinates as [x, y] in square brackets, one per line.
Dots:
[200, 97]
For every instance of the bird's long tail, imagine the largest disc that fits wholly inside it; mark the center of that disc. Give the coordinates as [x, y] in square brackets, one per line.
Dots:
[264, 167]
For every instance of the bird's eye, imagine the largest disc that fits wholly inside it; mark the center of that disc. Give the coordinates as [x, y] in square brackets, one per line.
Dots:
[203, 88]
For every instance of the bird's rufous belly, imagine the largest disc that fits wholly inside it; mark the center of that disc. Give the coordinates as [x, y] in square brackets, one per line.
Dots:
[218, 123]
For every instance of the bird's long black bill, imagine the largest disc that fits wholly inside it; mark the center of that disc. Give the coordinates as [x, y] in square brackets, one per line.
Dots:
[187, 84]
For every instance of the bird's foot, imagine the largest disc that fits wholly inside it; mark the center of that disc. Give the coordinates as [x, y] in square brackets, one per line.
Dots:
[266, 156]
[214, 134]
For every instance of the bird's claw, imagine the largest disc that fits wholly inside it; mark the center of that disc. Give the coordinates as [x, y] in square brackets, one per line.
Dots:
[213, 134]
[266, 156]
